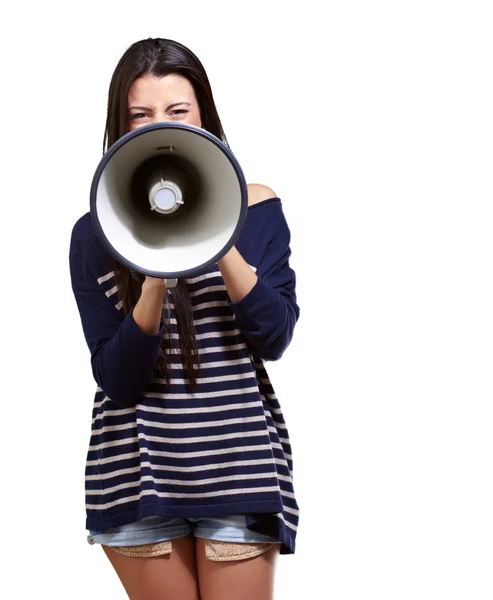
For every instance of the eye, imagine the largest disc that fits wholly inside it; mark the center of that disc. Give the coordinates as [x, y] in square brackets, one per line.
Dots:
[138, 115]
[179, 111]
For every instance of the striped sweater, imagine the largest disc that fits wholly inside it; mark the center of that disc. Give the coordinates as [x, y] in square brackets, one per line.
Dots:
[159, 449]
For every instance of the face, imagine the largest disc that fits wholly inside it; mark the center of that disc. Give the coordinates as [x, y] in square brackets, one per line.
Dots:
[157, 99]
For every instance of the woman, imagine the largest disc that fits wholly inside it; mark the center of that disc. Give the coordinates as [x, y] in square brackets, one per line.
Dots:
[189, 470]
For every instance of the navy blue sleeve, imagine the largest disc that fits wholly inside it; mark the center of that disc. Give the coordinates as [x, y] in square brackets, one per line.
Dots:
[123, 357]
[268, 314]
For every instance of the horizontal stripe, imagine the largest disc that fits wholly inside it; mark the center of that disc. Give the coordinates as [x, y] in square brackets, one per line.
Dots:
[202, 395]
[291, 511]
[220, 348]
[199, 424]
[176, 411]
[185, 456]
[209, 335]
[213, 304]
[213, 364]
[212, 288]
[239, 491]
[184, 483]
[104, 278]
[188, 469]
[204, 277]
[203, 320]
[207, 320]
[112, 291]
[222, 378]
[201, 439]
[287, 523]
[288, 495]
[175, 426]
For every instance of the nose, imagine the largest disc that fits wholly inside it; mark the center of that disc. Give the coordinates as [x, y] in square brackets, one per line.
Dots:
[160, 118]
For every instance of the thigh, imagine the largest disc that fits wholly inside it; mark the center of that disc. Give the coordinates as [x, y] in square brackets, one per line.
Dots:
[239, 579]
[166, 577]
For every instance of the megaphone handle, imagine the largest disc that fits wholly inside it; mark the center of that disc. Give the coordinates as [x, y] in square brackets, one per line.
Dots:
[138, 276]
[170, 283]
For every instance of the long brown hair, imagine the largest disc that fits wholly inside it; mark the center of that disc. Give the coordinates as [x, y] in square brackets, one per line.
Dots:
[160, 57]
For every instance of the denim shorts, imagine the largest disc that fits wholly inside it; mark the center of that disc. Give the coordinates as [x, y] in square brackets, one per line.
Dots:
[231, 528]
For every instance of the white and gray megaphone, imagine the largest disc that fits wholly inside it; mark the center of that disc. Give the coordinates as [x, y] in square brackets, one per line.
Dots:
[168, 200]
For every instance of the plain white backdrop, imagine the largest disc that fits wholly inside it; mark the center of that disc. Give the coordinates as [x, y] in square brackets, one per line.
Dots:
[373, 123]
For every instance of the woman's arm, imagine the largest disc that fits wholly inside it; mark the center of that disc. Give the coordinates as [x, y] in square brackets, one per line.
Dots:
[264, 302]
[124, 349]
[238, 276]
[149, 308]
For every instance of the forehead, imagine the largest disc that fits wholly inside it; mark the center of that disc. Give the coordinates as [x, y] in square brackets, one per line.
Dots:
[150, 91]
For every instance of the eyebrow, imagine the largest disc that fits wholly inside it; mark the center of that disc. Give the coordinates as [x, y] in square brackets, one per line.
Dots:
[167, 108]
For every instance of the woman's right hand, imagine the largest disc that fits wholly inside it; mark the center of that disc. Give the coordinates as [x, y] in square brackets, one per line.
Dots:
[147, 312]
[154, 283]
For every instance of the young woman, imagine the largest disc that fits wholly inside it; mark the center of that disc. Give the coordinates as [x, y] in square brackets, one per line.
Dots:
[189, 476]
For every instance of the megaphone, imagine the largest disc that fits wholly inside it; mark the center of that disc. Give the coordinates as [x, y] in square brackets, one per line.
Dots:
[168, 200]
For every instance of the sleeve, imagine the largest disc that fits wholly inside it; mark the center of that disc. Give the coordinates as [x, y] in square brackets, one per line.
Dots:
[268, 314]
[122, 355]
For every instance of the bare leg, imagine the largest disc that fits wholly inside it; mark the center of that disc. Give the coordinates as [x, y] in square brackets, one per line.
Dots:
[166, 577]
[238, 579]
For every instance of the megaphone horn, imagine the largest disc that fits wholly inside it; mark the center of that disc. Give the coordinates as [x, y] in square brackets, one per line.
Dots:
[168, 200]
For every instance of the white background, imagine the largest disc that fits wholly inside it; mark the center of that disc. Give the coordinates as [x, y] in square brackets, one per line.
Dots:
[373, 122]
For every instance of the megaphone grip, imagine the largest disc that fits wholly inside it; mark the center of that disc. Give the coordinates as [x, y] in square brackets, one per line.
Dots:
[170, 283]
[138, 276]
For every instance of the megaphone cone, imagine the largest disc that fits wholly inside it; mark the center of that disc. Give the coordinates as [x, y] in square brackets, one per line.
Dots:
[168, 200]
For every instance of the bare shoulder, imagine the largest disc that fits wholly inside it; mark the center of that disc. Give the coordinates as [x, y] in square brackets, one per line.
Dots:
[258, 192]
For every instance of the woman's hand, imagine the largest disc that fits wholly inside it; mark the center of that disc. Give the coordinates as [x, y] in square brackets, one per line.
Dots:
[147, 312]
[154, 283]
